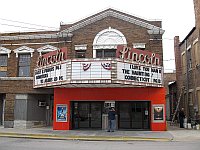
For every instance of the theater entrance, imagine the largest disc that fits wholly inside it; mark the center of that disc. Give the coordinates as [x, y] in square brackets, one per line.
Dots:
[87, 115]
[134, 115]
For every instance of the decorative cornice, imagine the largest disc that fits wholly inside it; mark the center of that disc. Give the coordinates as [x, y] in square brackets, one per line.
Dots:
[156, 31]
[153, 29]
[4, 50]
[68, 32]
[36, 36]
[46, 48]
[23, 50]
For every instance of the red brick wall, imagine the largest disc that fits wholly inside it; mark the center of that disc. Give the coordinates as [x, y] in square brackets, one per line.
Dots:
[86, 35]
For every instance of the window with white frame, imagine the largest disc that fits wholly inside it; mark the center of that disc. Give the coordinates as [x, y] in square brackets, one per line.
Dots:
[140, 46]
[3, 65]
[105, 53]
[80, 51]
[4, 55]
[24, 65]
[196, 53]
[24, 55]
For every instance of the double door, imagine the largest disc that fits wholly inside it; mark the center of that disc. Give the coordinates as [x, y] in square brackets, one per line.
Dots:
[134, 115]
[87, 114]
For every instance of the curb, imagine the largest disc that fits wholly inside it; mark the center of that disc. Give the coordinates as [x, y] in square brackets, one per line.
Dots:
[82, 138]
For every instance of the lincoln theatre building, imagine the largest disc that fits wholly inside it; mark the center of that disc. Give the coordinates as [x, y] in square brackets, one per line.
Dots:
[69, 78]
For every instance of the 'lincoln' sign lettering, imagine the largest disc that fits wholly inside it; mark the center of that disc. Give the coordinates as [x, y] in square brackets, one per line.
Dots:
[139, 56]
[52, 57]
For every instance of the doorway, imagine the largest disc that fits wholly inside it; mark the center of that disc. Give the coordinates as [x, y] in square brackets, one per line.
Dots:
[87, 115]
[2, 104]
[134, 115]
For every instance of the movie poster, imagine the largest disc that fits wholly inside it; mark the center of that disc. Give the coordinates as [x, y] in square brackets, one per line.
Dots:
[158, 113]
[61, 113]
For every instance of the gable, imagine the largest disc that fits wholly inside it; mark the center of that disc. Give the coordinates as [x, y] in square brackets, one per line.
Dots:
[152, 29]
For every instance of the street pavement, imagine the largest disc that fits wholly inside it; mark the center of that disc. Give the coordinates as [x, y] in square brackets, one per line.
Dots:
[173, 133]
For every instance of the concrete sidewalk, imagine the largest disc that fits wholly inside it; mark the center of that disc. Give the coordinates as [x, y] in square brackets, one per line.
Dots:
[100, 135]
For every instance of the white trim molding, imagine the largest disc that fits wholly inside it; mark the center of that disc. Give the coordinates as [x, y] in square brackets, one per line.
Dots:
[195, 41]
[189, 47]
[36, 36]
[139, 45]
[108, 39]
[46, 48]
[156, 31]
[24, 50]
[82, 47]
[191, 90]
[183, 53]
[4, 50]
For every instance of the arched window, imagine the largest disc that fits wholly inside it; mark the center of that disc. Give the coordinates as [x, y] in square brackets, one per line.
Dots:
[105, 43]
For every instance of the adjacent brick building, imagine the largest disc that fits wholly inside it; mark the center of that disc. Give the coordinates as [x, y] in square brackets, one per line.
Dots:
[187, 58]
[169, 82]
[94, 37]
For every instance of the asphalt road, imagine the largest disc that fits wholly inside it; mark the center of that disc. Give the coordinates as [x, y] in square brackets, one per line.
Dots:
[42, 144]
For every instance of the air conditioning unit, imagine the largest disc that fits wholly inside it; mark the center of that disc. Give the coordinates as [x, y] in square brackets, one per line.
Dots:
[42, 104]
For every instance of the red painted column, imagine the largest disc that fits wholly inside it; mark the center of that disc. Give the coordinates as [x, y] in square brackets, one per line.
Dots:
[60, 98]
[158, 98]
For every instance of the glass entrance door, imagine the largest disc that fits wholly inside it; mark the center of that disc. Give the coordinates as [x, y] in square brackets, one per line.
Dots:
[87, 114]
[134, 115]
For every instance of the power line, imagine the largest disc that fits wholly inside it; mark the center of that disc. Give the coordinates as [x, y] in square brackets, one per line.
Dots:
[31, 28]
[27, 23]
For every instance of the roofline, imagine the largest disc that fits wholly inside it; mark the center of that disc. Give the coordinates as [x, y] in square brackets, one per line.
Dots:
[187, 35]
[117, 14]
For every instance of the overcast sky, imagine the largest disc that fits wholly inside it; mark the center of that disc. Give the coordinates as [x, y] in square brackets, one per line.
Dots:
[177, 16]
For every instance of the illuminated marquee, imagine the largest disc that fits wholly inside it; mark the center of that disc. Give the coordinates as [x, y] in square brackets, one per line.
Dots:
[133, 67]
[137, 74]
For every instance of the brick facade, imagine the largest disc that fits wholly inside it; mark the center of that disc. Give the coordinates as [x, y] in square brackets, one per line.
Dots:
[12, 85]
[188, 74]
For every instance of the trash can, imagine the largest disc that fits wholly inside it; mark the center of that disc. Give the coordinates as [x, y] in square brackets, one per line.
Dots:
[189, 126]
[185, 123]
[197, 126]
